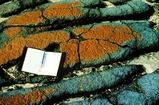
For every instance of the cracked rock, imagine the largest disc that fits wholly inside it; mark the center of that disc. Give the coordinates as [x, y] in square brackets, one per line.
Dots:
[83, 84]
[72, 12]
[88, 45]
[100, 39]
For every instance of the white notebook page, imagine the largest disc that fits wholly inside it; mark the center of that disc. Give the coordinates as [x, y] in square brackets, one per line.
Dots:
[33, 60]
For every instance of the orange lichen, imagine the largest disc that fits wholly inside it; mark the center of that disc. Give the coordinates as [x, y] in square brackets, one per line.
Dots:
[121, 37]
[79, 31]
[63, 10]
[71, 50]
[137, 35]
[73, 41]
[34, 17]
[76, 11]
[109, 47]
[12, 31]
[32, 97]
[42, 40]
[12, 50]
[122, 34]
[91, 50]
[123, 29]
[100, 32]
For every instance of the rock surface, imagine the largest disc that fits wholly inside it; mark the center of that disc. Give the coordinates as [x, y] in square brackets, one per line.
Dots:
[111, 51]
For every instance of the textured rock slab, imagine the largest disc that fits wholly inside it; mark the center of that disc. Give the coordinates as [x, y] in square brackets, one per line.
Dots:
[150, 86]
[51, 13]
[19, 29]
[142, 91]
[87, 83]
[13, 7]
[75, 11]
[87, 45]
[127, 97]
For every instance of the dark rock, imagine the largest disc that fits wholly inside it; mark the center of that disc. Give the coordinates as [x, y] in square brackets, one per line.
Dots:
[82, 84]
[81, 11]
[116, 41]
[147, 33]
[2, 81]
[143, 91]
[77, 28]
[131, 10]
[150, 86]
[103, 47]
[128, 97]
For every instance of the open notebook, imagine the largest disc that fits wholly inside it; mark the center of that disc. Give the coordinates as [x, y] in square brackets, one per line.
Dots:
[41, 62]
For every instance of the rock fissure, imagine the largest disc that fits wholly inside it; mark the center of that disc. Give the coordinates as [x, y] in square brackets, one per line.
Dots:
[107, 53]
[122, 46]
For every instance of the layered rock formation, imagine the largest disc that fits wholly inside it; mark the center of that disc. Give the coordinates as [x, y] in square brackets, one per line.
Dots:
[93, 35]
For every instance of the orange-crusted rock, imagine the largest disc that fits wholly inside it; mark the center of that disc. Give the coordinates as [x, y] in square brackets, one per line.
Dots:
[12, 31]
[76, 11]
[12, 50]
[71, 50]
[31, 97]
[109, 47]
[137, 35]
[34, 18]
[90, 50]
[73, 41]
[63, 10]
[42, 40]
[123, 29]
[79, 31]
[122, 34]
[121, 37]
[101, 32]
